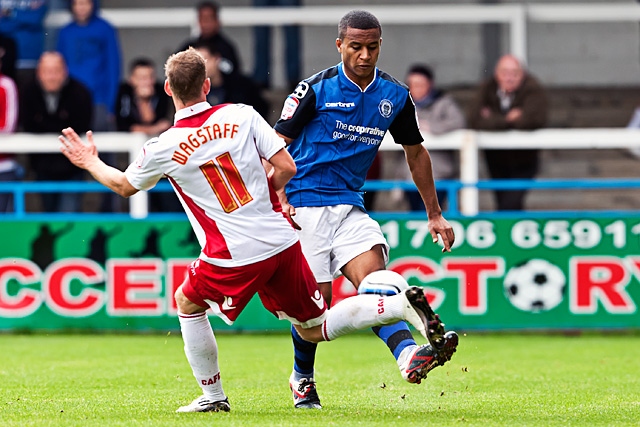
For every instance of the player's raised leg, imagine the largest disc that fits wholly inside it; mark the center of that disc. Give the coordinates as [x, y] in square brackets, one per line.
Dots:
[365, 311]
[201, 349]
[366, 271]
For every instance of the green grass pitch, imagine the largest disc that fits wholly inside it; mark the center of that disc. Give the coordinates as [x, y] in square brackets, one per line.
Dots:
[501, 380]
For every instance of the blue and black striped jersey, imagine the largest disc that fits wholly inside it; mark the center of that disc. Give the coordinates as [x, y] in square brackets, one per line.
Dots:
[337, 129]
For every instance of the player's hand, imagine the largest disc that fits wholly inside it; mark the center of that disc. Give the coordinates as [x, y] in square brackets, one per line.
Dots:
[440, 226]
[289, 212]
[513, 115]
[79, 153]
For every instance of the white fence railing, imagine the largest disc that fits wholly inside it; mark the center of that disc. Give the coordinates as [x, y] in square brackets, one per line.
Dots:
[515, 17]
[108, 142]
[467, 141]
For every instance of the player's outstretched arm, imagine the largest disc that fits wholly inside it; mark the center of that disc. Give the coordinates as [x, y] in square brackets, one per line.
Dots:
[85, 156]
[419, 163]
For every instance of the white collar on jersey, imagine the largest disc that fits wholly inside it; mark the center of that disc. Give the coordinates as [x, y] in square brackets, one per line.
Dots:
[191, 111]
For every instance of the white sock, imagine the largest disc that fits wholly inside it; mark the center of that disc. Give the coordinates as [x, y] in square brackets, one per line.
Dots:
[202, 353]
[361, 312]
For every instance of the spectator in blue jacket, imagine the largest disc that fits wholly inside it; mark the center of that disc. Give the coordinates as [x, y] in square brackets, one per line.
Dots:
[23, 21]
[91, 50]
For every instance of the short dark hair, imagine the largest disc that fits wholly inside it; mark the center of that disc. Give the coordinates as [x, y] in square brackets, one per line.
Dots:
[358, 19]
[423, 69]
[215, 7]
[141, 62]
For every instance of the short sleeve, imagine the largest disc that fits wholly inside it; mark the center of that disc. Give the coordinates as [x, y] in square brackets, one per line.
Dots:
[404, 127]
[298, 110]
[144, 173]
[267, 141]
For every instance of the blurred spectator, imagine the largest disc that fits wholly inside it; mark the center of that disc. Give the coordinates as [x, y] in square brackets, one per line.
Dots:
[91, 50]
[48, 105]
[143, 106]
[8, 55]
[209, 23]
[262, 48]
[10, 170]
[511, 100]
[438, 113]
[230, 88]
[23, 21]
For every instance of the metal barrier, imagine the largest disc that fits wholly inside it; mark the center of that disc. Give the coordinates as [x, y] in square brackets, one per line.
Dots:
[452, 187]
[106, 142]
[21, 189]
[468, 142]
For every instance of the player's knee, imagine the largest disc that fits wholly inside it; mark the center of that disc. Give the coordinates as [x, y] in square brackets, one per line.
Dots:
[179, 297]
[182, 302]
[185, 305]
[313, 334]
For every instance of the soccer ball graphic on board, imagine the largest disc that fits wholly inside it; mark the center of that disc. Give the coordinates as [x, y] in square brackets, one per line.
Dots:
[535, 285]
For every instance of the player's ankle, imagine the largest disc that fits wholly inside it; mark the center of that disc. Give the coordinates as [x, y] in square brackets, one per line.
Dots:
[405, 353]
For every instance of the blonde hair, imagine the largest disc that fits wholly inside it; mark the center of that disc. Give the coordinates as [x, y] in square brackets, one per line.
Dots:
[186, 73]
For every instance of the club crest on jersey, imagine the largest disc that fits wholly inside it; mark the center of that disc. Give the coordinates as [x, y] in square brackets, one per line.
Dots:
[386, 108]
[301, 90]
[290, 107]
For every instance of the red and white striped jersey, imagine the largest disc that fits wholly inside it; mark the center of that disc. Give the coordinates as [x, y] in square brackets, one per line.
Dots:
[212, 157]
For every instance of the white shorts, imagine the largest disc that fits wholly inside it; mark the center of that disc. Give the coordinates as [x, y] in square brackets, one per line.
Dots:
[331, 236]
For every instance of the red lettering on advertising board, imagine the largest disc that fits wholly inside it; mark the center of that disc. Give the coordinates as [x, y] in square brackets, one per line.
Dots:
[425, 270]
[602, 279]
[25, 301]
[57, 283]
[134, 287]
[473, 274]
